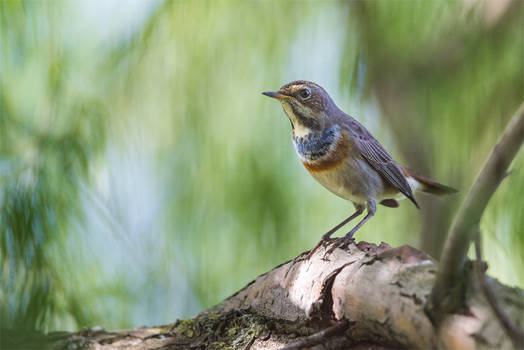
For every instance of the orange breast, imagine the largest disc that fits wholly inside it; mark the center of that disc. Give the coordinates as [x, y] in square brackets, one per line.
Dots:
[332, 159]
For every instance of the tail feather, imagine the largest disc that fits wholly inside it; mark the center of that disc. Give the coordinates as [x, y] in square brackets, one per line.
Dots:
[429, 186]
[433, 187]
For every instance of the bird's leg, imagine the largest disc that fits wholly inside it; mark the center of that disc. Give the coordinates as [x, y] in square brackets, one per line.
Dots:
[325, 237]
[372, 208]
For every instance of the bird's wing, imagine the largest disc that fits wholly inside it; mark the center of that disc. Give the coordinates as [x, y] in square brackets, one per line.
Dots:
[373, 152]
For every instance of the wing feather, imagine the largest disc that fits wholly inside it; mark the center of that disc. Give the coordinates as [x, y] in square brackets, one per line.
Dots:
[373, 152]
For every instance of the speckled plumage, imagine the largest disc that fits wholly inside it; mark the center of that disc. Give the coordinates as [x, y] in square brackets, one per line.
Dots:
[317, 144]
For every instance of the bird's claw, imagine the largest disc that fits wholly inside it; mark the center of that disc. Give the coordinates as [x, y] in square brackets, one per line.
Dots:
[323, 240]
[338, 243]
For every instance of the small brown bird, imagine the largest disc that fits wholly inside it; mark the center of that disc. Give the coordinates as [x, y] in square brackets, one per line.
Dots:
[344, 157]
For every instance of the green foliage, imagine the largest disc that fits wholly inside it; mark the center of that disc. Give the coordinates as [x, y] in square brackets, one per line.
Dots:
[48, 136]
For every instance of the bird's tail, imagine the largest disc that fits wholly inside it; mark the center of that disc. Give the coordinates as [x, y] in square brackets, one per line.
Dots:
[427, 185]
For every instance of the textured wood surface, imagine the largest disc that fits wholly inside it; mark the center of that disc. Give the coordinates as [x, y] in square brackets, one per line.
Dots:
[379, 291]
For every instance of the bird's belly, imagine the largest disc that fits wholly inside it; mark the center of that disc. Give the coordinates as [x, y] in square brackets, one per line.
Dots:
[334, 185]
[353, 180]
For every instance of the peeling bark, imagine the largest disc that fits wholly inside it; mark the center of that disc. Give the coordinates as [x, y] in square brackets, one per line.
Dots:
[378, 290]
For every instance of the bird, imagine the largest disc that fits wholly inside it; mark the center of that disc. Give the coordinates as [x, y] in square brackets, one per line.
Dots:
[344, 157]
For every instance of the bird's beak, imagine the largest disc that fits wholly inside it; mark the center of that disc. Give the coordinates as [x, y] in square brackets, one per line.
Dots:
[276, 95]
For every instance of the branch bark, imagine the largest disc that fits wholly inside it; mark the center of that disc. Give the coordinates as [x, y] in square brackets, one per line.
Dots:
[377, 292]
[447, 290]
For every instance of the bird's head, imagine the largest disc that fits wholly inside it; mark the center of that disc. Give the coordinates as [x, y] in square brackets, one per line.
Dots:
[307, 105]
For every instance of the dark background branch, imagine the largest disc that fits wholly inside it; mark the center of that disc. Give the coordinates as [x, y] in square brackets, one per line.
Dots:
[447, 289]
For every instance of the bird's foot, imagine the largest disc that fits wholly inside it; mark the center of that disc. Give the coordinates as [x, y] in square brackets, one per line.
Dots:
[338, 243]
[323, 240]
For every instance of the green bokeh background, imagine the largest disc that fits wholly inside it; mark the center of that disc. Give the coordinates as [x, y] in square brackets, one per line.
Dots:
[143, 177]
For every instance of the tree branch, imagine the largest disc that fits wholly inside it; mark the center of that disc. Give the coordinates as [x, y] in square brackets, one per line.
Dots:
[378, 291]
[318, 337]
[446, 292]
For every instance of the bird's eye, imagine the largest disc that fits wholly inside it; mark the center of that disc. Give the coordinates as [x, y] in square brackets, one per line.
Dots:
[305, 93]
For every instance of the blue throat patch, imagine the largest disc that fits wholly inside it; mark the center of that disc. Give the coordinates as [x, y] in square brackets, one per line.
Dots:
[317, 143]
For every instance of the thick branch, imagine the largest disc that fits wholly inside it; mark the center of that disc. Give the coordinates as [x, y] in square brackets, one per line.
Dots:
[366, 296]
[468, 218]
